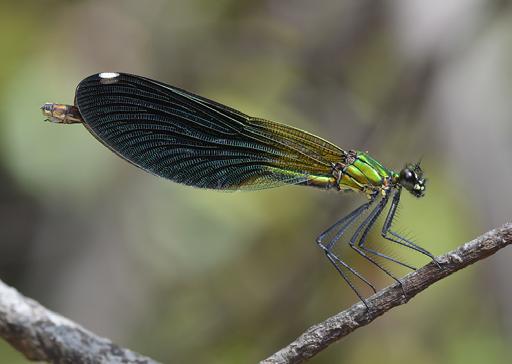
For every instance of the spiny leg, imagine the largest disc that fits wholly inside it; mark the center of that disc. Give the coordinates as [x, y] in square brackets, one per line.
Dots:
[363, 229]
[345, 222]
[333, 259]
[362, 241]
[394, 237]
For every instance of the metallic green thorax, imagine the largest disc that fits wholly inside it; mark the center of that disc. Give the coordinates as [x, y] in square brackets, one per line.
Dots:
[357, 171]
[360, 172]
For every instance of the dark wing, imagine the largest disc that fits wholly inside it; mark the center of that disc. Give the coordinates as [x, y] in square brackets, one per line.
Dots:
[189, 139]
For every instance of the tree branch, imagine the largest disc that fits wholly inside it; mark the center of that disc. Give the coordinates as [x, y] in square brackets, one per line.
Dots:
[43, 335]
[319, 336]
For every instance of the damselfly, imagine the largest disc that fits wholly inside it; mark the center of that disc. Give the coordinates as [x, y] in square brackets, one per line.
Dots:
[189, 139]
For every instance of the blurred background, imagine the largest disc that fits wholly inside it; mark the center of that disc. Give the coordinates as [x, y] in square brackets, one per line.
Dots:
[191, 276]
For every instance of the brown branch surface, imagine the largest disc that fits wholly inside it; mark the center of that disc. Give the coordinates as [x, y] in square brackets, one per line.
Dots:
[43, 335]
[319, 336]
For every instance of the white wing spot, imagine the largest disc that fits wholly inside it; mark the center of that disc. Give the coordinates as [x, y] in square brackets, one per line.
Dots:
[108, 75]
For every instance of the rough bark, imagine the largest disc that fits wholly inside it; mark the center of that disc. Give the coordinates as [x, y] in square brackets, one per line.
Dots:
[43, 335]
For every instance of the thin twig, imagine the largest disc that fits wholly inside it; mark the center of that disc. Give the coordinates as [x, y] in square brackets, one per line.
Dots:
[319, 336]
[43, 335]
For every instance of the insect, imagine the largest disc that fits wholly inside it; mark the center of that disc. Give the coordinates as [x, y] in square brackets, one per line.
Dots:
[189, 139]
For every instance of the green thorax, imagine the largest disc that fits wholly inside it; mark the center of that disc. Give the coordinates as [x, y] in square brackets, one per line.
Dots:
[363, 173]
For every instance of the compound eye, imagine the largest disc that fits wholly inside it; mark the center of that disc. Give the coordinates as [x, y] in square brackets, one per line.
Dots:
[407, 174]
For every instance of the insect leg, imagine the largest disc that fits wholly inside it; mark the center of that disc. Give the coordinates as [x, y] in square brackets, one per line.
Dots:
[362, 240]
[344, 222]
[394, 237]
[332, 258]
[342, 226]
[363, 230]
